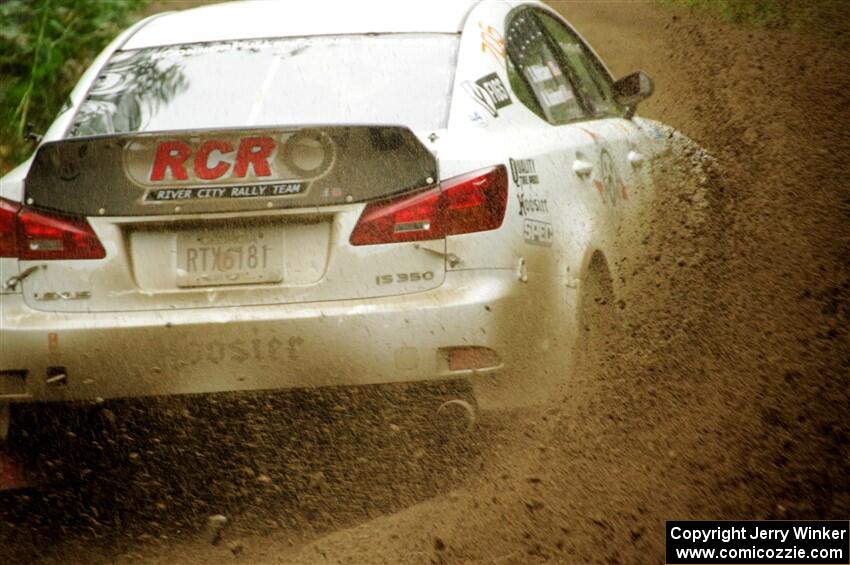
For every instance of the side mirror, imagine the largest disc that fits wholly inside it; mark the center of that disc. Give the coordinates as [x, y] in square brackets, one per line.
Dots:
[31, 135]
[632, 89]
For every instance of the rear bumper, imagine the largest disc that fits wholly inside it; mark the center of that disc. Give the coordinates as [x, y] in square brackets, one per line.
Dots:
[393, 339]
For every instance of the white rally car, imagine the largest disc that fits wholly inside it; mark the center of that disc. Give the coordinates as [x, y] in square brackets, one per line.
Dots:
[269, 195]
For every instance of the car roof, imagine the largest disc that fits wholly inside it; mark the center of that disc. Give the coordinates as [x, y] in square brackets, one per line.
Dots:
[256, 19]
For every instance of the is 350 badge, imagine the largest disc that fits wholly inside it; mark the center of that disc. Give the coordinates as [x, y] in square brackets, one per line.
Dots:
[395, 278]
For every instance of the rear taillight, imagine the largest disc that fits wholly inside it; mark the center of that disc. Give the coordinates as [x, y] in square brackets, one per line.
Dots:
[36, 235]
[469, 203]
[8, 228]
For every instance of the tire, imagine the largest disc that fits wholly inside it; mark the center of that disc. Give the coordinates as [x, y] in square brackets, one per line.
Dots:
[597, 317]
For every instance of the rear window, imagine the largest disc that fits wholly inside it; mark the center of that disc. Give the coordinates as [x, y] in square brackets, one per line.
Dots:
[400, 79]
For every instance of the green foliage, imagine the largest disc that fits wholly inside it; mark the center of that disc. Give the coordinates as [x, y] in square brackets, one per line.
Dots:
[45, 45]
[822, 17]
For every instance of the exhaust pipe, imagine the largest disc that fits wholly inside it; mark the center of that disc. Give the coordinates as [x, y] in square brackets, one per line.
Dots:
[457, 414]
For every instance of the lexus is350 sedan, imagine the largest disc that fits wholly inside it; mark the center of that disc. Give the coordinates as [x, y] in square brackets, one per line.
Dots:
[272, 195]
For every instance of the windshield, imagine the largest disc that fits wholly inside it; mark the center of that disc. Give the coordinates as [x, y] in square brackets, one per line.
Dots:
[402, 79]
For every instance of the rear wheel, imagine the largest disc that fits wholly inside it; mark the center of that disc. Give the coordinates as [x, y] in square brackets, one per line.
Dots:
[597, 315]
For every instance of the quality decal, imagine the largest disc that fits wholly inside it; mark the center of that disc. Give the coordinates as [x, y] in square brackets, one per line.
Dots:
[524, 175]
[524, 172]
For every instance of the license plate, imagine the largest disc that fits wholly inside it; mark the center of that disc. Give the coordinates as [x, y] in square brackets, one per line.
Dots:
[231, 257]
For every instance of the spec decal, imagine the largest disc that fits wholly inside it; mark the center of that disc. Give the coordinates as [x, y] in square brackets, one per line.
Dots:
[524, 171]
[255, 191]
[490, 92]
[538, 233]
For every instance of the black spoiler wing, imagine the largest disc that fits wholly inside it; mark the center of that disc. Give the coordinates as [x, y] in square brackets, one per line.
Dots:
[227, 170]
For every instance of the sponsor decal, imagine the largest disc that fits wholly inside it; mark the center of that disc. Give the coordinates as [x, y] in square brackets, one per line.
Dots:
[69, 170]
[611, 186]
[538, 233]
[52, 342]
[652, 129]
[594, 136]
[493, 42]
[62, 295]
[245, 166]
[254, 191]
[531, 205]
[477, 119]
[490, 92]
[263, 349]
[252, 155]
[623, 127]
[548, 85]
[540, 74]
[332, 192]
[180, 352]
[524, 172]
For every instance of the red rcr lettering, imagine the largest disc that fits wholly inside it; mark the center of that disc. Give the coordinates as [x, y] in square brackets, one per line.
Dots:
[253, 154]
[202, 169]
[254, 151]
[171, 155]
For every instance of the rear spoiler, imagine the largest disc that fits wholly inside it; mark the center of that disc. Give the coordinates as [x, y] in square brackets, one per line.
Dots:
[227, 170]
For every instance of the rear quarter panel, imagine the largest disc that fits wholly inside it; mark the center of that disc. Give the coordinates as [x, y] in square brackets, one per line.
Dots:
[547, 223]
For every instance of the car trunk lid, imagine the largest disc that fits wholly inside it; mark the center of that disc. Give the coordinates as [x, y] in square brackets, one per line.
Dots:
[229, 217]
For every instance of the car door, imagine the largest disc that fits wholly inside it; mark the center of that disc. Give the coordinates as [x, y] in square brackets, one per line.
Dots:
[623, 172]
[539, 79]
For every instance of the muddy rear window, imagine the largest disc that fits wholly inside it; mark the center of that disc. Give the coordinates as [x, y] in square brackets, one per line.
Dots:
[354, 79]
